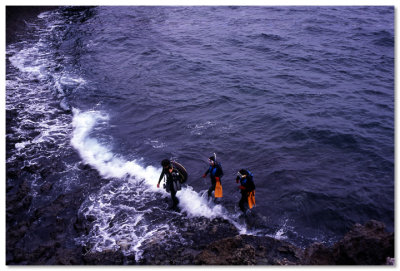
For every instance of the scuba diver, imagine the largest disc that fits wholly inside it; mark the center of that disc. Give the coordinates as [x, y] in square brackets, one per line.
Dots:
[216, 174]
[247, 189]
[173, 183]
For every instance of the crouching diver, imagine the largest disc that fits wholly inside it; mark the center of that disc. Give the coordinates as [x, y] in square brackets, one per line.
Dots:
[173, 183]
[247, 189]
[216, 174]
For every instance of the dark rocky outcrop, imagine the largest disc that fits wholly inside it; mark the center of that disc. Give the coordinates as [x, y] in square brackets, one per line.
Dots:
[369, 244]
[250, 250]
[318, 254]
[362, 245]
[107, 258]
[16, 17]
[213, 242]
[201, 231]
[44, 235]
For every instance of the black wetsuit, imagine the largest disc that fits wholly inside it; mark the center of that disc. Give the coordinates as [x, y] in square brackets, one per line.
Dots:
[215, 171]
[249, 186]
[172, 184]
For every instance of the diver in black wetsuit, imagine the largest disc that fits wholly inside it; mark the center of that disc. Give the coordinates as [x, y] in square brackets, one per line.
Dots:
[173, 183]
[246, 187]
[216, 173]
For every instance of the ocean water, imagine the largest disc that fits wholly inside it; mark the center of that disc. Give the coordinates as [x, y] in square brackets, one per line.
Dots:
[301, 96]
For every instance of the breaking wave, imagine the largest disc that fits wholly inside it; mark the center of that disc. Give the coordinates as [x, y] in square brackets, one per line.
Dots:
[121, 210]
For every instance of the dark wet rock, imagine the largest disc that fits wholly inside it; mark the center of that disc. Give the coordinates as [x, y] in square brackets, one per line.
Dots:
[17, 16]
[33, 134]
[229, 251]
[362, 245]
[67, 256]
[91, 218]
[250, 250]
[19, 201]
[47, 253]
[37, 237]
[40, 237]
[28, 126]
[206, 231]
[46, 187]
[24, 189]
[31, 168]
[11, 115]
[47, 169]
[81, 225]
[12, 172]
[318, 254]
[108, 257]
[201, 231]
[83, 166]
[365, 245]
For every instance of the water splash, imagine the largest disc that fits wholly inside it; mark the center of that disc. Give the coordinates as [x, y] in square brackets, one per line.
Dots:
[127, 210]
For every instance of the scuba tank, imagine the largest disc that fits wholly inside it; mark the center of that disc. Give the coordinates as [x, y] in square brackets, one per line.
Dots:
[181, 170]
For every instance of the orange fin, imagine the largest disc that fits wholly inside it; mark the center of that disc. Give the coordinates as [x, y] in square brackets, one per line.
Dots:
[251, 199]
[218, 190]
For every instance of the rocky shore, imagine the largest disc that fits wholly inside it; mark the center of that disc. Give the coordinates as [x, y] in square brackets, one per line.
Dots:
[46, 235]
[214, 242]
[369, 244]
[17, 18]
[44, 232]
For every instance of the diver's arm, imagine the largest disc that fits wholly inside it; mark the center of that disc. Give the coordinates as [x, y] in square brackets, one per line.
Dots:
[161, 176]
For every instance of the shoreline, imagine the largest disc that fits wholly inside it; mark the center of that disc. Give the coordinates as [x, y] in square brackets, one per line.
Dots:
[16, 18]
[215, 242]
[46, 235]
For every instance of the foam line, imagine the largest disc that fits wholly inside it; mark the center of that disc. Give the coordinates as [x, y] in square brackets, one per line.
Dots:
[101, 157]
[110, 165]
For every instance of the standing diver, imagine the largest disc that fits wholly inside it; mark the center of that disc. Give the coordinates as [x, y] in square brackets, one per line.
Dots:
[247, 189]
[173, 183]
[216, 174]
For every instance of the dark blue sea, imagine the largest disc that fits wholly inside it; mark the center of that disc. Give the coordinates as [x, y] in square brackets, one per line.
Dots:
[303, 97]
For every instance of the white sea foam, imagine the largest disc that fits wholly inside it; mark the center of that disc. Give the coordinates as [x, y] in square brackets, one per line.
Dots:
[44, 14]
[127, 194]
[200, 128]
[27, 61]
[195, 205]
[21, 145]
[101, 157]
[156, 144]
[109, 165]
[122, 218]
[280, 234]
[70, 80]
